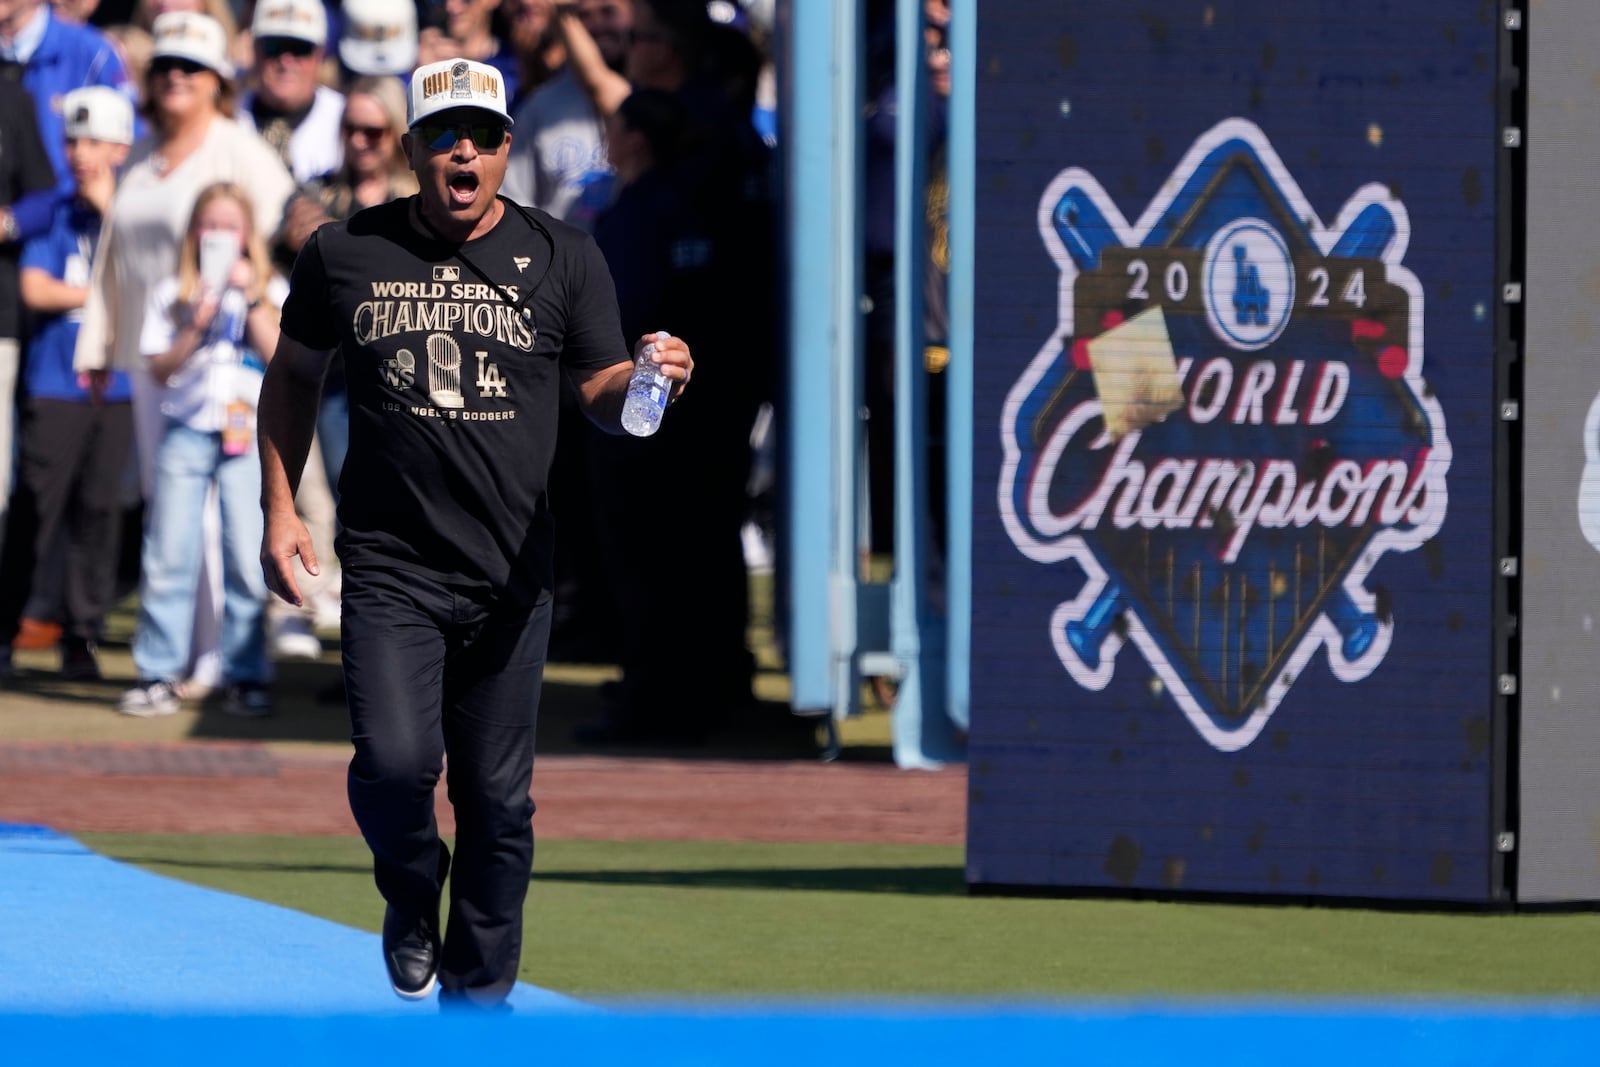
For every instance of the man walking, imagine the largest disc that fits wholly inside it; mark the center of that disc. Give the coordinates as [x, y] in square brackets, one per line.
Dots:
[457, 313]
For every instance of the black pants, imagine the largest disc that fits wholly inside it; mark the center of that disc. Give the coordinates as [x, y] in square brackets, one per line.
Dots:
[67, 498]
[432, 676]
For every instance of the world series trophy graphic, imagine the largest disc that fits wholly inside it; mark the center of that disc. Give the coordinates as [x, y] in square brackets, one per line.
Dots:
[444, 371]
[1228, 431]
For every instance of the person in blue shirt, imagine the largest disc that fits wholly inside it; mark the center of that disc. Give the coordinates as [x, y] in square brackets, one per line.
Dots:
[76, 432]
[55, 57]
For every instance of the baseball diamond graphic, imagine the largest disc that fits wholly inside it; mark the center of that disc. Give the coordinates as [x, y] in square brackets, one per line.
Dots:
[1227, 432]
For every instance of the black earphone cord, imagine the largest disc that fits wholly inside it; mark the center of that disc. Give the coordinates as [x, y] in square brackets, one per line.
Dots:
[525, 305]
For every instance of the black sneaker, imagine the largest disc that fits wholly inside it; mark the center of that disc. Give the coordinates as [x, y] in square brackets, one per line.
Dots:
[78, 660]
[411, 952]
[411, 944]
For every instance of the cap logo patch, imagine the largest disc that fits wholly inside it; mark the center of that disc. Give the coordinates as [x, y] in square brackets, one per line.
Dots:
[460, 82]
[375, 33]
[287, 13]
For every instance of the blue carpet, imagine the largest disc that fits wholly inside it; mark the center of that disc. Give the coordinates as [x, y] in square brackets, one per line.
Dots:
[84, 933]
[101, 962]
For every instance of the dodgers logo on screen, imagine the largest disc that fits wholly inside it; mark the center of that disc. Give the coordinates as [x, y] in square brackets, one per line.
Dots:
[1229, 430]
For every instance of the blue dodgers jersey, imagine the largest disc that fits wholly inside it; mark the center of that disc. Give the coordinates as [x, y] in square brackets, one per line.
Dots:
[64, 251]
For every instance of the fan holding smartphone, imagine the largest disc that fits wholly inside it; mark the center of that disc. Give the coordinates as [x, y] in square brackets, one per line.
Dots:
[206, 337]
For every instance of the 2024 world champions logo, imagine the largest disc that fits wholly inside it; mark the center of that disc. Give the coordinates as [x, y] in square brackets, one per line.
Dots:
[1227, 432]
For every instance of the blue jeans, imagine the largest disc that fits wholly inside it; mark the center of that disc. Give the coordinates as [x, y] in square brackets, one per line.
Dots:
[333, 435]
[187, 463]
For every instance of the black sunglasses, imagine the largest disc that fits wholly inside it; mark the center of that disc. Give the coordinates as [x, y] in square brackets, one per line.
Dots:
[371, 133]
[273, 47]
[488, 136]
[168, 64]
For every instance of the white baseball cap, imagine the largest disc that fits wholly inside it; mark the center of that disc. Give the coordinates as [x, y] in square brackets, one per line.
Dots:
[99, 113]
[303, 20]
[453, 83]
[379, 36]
[192, 36]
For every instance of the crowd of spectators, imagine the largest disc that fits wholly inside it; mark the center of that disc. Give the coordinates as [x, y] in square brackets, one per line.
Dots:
[162, 161]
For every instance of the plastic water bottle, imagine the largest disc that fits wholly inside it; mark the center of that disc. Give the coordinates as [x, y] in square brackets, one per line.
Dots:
[232, 310]
[647, 393]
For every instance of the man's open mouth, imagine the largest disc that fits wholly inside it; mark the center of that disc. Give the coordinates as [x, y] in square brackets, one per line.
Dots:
[463, 188]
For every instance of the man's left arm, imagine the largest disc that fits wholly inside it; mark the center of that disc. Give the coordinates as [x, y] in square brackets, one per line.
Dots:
[590, 345]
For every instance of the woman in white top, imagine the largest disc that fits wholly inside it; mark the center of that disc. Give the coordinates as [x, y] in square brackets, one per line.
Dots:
[192, 143]
[189, 95]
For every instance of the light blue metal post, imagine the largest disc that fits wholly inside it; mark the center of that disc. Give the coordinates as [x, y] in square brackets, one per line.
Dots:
[962, 161]
[824, 329]
[924, 736]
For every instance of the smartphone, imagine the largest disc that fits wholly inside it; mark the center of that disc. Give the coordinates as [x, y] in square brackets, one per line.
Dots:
[218, 253]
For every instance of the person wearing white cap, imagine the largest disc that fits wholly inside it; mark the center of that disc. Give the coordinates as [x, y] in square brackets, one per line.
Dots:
[300, 118]
[378, 37]
[75, 432]
[296, 114]
[459, 314]
[193, 142]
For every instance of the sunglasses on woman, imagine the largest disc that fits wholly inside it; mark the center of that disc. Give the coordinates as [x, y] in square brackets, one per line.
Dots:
[366, 133]
[168, 64]
[441, 137]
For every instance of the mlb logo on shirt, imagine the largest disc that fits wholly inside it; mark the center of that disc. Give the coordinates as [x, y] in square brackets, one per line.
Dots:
[447, 274]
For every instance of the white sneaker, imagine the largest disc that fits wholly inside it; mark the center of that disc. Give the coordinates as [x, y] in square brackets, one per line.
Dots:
[292, 639]
[150, 700]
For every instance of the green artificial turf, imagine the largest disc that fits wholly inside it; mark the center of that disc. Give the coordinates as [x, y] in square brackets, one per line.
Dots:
[608, 919]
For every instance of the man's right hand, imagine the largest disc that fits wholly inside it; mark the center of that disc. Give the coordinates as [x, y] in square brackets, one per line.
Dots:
[285, 538]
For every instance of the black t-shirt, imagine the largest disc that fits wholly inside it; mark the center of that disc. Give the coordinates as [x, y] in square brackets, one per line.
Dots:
[453, 393]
